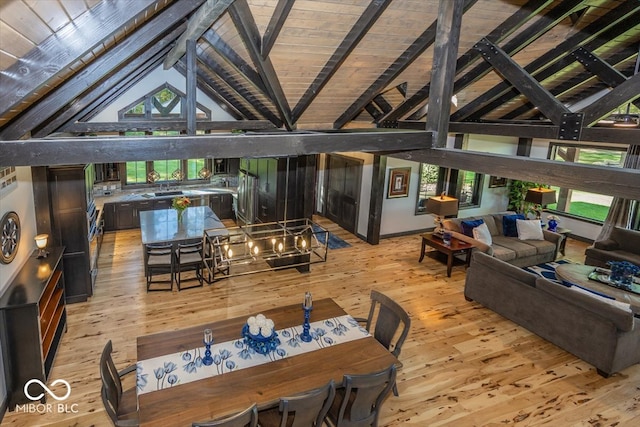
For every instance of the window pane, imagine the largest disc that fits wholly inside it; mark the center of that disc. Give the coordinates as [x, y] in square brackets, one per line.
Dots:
[427, 186]
[136, 172]
[581, 203]
[469, 188]
[193, 168]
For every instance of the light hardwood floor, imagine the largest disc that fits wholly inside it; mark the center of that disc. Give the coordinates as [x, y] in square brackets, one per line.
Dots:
[463, 364]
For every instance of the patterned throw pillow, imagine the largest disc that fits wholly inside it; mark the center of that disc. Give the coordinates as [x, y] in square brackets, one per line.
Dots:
[509, 227]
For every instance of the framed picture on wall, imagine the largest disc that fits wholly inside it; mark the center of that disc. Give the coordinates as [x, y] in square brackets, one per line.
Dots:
[398, 182]
[497, 181]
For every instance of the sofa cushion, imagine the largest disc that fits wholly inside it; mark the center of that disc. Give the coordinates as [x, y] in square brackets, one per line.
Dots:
[469, 224]
[521, 248]
[509, 227]
[629, 240]
[542, 246]
[618, 313]
[482, 234]
[502, 253]
[529, 229]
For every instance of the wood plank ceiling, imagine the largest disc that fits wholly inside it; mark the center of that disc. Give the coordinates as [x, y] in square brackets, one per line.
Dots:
[527, 68]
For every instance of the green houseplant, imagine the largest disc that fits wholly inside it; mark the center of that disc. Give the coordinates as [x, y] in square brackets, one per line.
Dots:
[517, 192]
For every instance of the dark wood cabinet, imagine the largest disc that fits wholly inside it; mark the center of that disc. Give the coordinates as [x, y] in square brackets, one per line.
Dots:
[286, 187]
[109, 216]
[33, 319]
[162, 204]
[73, 218]
[222, 205]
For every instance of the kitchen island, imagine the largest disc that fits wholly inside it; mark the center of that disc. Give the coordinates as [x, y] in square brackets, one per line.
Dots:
[162, 226]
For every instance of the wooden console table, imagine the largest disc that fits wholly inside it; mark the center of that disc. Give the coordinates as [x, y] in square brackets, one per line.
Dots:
[456, 247]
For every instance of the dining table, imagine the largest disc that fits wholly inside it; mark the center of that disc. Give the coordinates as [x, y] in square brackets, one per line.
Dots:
[232, 388]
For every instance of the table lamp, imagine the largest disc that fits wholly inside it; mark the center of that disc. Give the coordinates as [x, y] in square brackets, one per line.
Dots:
[441, 206]
[540, 197]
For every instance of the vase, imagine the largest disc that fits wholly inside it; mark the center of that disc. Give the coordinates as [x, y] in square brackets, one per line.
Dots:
[553, 225]
[180, 212]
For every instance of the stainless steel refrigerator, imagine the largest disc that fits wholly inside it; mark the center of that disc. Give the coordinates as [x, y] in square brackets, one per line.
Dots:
[247, 198]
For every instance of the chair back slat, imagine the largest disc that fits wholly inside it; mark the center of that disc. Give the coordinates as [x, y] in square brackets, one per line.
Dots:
[246, 418]
[307, 409]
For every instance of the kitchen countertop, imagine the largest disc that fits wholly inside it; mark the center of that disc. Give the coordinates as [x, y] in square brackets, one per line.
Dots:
[149, 194]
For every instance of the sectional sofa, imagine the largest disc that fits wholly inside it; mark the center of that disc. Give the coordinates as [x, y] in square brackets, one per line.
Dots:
[600, 331]
[622, 245]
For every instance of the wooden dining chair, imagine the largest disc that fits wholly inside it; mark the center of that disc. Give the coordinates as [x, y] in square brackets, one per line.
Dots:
[391, 325]
[358, 402]
[246, 418]
[308, 409]
[120, 405]
[159, 262]
[189, 257]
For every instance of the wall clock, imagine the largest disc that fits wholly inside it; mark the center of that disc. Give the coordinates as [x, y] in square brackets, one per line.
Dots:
[10, 238]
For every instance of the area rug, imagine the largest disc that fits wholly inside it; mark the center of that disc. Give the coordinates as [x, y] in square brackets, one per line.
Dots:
[335, 242]
[547, 269]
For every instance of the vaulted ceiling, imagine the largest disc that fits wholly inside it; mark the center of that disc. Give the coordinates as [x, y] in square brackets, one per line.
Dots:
[324, 64]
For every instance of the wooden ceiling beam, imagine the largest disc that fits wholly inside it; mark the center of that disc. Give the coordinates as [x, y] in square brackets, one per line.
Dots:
[98, 86]
[241, 89]
[443, 69]
[105, 98]
[625, 92]
[219, 94]
[611, 181]
[202, 19]
[248, 30]
[523, 15]
[57, 53]
[598, 67]
[275, 25]
[522, 81]
[350, 41]
[58, 151]
[102, 66]
[615, 22]
[165, 125]
[234, 60]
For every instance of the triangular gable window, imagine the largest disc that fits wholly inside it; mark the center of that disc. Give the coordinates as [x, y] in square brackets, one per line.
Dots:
[163, 103]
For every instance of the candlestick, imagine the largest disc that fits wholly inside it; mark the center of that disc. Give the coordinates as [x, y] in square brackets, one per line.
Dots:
[208, 340]
[307, 306]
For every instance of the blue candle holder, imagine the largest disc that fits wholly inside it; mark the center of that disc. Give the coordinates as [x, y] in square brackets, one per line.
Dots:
[208, 340]
[306, 336]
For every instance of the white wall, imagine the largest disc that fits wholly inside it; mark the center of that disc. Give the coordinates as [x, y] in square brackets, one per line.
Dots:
[17, 198]
[154, 79]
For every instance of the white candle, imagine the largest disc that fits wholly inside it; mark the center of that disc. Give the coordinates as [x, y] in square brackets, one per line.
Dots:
[280, 247]
[308, 303]
[208, 336]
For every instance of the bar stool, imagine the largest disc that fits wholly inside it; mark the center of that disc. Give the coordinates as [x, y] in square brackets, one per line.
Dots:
[189, 257]
[159, 262]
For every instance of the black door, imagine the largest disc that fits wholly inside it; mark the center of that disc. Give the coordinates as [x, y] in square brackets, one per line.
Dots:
[343, 191]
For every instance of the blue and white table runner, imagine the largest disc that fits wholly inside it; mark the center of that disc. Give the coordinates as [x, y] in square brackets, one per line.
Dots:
[184, 367]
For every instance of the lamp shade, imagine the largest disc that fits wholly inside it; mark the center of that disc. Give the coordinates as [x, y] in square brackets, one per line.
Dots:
[41, 240]
[442, 205]
[540, 196]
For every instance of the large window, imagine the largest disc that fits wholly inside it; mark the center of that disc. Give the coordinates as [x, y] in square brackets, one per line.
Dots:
[466, 186]
[582, 203]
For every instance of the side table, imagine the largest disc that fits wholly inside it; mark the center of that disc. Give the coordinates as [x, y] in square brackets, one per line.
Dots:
[565, 234]
[456, 247]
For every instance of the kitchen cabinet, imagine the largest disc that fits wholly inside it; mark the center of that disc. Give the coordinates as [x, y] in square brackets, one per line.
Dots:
[109, 216]
[222, 205]
[34, 317]
[73, 214]
[283, 184]
[162, 204]
[125, 216]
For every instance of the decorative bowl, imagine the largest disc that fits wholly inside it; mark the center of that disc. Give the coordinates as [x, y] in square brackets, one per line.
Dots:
[259, 343]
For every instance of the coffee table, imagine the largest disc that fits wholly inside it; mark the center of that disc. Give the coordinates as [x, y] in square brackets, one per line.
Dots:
[456, 247]
[578, 274]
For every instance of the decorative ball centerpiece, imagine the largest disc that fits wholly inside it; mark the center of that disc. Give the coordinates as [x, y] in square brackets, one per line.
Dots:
[260, 335]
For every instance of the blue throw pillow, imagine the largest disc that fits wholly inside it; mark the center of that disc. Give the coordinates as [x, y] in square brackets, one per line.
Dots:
[468, 226]
[509, 228]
